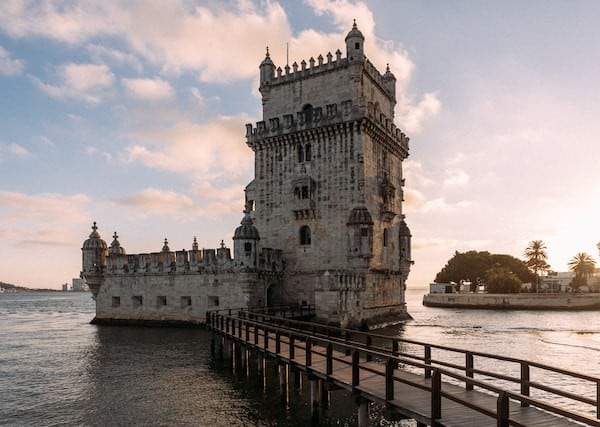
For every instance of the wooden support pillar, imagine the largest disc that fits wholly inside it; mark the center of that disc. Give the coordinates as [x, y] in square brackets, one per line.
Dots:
[284, 383]
[363, 413]
[297, 378]
[220, 348]
[324, 394]
[314, 399]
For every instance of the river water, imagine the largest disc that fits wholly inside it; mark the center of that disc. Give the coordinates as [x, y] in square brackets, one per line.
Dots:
[57, 369]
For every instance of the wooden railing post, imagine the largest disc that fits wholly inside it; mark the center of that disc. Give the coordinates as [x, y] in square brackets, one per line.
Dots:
[278, 342]
[292, 347]
[427, 361]
[502, 410]
[389, 379]
[227, 321]
[247, 331]
[255, 334]
[469, 369]
[598, 399]
[369, 343]
[524, 382]
[266, 337]
[355, 368]
[346, 340]
[395, 352]
[436, 395]
[329, 359]
[308, 352]
[222, 322]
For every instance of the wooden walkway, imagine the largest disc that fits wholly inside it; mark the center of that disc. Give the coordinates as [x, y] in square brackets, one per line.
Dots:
[431, 391]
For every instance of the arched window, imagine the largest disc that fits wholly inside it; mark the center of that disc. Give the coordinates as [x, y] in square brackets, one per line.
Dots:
[308, 113]
[385, 237]
[296, 192]
[304, 192]
[305, 235]
[248, 248]
[308, 153]
[300, 154]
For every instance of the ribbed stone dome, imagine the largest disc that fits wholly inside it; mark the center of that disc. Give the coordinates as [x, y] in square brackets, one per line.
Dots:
[94, 241]
[354, 33]
[246, 231]
[360, 215]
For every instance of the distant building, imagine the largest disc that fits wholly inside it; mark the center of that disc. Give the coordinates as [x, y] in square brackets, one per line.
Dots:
[323, 222]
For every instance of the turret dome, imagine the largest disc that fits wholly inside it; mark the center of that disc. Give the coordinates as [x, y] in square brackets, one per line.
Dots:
[94, 241]
[354, 33]
[247, 230]
[404, 230]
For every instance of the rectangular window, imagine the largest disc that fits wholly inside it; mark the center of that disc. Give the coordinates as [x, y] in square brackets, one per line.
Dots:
[116, 302]
[213, 301]
[137, 300]
[186, 302]
[161, 301]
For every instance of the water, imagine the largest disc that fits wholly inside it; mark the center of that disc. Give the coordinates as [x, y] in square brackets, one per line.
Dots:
[57, 369]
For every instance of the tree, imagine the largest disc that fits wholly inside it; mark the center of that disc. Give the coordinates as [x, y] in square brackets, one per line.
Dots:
[500, 280]
[474, 265]
[583, 265]
[536, 259]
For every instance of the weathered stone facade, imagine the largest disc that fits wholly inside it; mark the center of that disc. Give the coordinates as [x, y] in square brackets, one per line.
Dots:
[327, 194]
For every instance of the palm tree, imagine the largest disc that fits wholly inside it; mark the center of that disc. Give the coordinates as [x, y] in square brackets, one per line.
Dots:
[536, 259]
[583, 265]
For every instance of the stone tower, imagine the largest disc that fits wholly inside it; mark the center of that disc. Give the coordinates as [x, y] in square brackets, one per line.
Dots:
[328, 185]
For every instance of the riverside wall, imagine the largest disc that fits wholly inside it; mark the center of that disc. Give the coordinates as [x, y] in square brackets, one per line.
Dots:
[515, 301]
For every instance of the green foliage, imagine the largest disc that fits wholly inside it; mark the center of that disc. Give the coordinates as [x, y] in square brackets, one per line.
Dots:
[583, 265]
[474, 265]
[500, 280]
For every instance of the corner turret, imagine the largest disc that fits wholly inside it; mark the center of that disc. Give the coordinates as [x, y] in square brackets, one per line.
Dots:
[389, 82]
[94, 252]
[355, 44]
[267, 74]
[245, 242]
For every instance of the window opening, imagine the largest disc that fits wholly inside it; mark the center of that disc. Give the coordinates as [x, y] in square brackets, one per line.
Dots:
[305, 237]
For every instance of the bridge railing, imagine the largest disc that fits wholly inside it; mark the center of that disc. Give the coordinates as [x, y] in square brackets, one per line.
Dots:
[589, 385]
[255, 328]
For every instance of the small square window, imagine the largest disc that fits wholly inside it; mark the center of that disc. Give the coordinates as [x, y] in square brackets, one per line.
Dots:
[186, 302]
[137, 300]
[213, 301]
[161, 301]
[116, 302]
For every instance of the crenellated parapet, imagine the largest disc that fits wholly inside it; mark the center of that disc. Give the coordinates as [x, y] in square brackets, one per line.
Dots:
[326, 118]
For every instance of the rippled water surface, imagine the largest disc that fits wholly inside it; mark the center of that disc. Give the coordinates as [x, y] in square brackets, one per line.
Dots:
[57, 369]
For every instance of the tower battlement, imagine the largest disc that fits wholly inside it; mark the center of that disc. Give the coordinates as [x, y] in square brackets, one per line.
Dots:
[326, 118]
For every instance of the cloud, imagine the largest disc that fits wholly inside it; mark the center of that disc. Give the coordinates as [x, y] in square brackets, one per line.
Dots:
[102, 54]
[455, 178]
[411, 115]
[40, 219]
[206, 151]
[148, 89]
[19, 151]
[440, 205]
[9, 66]
[81, 82]
[93, 151]
[151, 202]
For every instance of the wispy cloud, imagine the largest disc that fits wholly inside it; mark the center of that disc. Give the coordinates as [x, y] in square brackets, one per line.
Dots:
[8, 65]
[13, 150]
[148, 89]
[40, 218]
[81, 82]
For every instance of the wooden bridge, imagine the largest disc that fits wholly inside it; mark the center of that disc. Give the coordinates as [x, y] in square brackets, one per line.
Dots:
[432, 384]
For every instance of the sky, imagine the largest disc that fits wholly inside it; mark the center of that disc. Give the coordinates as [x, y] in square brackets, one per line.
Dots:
[132, 113]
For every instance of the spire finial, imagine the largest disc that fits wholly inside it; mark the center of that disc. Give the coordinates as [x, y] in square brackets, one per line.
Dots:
[387, 68]
[94, 227]
[354, 24]
[222, 244]
[267, 52]
[115, 236]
